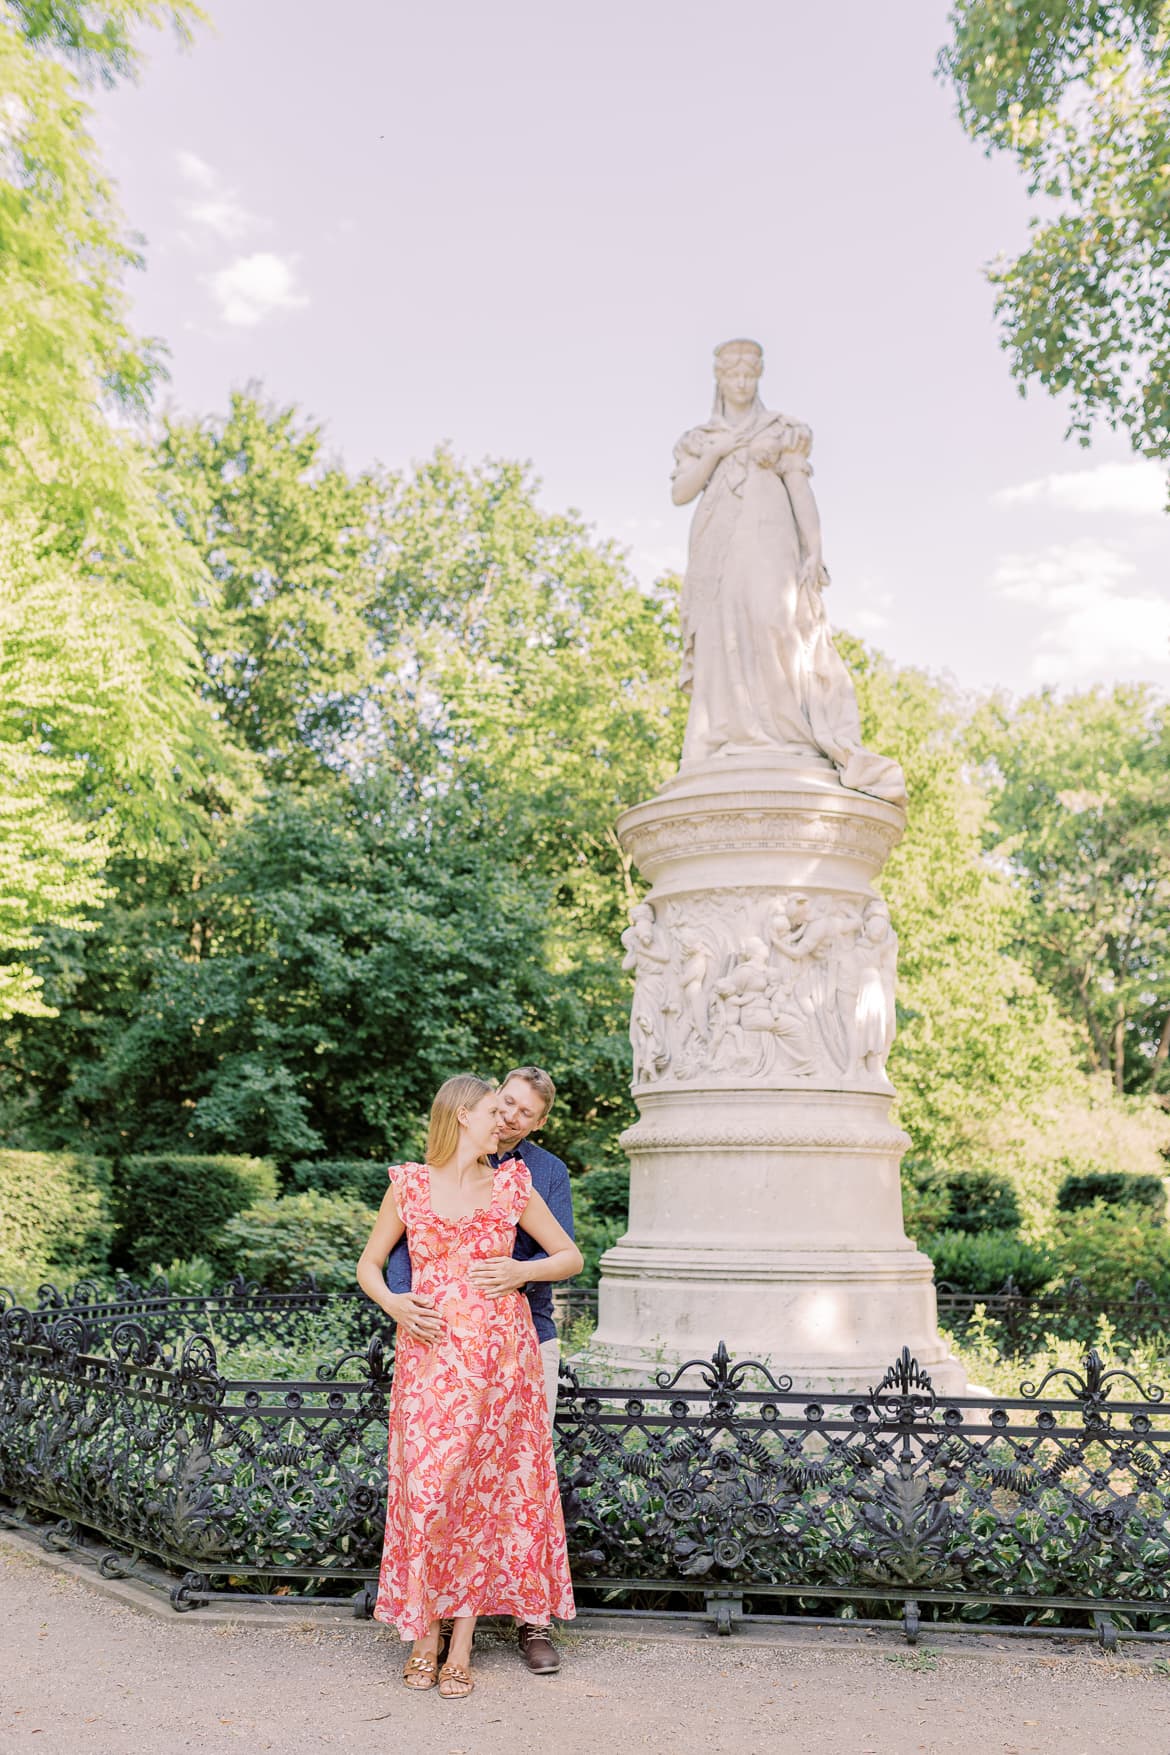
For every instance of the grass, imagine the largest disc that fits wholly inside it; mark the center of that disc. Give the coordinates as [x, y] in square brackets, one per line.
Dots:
[925, 1658]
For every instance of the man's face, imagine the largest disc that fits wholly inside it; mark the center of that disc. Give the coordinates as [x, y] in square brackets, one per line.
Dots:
[521, 1112]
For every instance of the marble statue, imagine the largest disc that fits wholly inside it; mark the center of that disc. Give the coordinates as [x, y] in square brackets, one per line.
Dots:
[648, 957]
[758, 659]
[765, 1201]
[876, 957]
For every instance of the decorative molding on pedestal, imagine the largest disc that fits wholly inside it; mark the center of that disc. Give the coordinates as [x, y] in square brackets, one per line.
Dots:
[644, 1139]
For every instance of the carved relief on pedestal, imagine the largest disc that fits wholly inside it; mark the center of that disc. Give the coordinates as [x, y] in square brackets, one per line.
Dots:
[780, 987]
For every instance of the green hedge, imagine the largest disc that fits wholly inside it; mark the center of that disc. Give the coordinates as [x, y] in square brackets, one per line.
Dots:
[1109, 1248]
[959, 1200]
[277, 1242]
[607, 1192]
[601, 1200]
[172, 1205]
[55, 1217]
[1117, 1188]
[982, 1261]
[364, 1179]
[981, 1201]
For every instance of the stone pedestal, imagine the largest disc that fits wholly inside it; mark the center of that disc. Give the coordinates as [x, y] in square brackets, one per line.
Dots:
[765, 1204]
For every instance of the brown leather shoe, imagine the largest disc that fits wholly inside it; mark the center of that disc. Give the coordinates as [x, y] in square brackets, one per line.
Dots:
[540, 1654]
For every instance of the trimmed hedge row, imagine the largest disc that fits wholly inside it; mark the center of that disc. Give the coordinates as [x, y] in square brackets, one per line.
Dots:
[362, 1179]
[1117, 1188]
[55, 1216]
[982, 1261]
[170, 1205]
[972, 1201]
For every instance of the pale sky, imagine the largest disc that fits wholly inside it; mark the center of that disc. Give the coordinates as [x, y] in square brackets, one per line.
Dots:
[523, 228]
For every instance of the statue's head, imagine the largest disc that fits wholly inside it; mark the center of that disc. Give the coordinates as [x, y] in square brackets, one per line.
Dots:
[739, 366]
[877, 922]
[779, 925]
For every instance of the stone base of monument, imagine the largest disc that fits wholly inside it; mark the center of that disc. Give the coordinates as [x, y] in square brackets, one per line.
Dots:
[738, 1206]
[765, 1200]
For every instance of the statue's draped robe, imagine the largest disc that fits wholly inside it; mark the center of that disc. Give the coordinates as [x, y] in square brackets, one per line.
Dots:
[758, 659]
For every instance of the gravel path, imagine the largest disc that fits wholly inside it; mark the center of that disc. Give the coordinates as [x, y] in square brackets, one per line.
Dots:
[81, 1675]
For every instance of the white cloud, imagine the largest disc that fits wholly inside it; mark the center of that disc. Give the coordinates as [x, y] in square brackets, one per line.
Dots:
[195, 170]
[222, 215]
[253, 287]
[1138, 487]
[1101, 625]
[216, 208]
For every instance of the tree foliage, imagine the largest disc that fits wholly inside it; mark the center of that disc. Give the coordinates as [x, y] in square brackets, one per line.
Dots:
[99, 36]
[440, 885]
[533, 681]
[451, 694]
[97, 717]
[976, 1032]
[1080, 791]
[290, 547]
[1078, 91]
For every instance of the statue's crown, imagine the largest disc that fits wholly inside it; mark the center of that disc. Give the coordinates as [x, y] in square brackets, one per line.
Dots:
[729, 350]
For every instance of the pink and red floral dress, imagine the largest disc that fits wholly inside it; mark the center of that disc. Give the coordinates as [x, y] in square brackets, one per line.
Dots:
[473, 1513]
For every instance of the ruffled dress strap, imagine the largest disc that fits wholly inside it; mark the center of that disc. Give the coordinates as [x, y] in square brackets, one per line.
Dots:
[404, 1180]
[514, 1187]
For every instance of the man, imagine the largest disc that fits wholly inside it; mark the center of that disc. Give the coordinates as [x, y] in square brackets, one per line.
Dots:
[526, 1097]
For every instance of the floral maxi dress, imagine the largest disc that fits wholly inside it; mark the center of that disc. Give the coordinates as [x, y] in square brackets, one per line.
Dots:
[473, 1511]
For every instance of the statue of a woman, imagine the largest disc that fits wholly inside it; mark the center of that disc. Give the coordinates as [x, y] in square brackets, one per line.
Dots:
[758, 660]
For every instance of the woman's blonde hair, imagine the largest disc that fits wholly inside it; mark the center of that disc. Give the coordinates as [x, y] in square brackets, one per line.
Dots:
[464, 1091]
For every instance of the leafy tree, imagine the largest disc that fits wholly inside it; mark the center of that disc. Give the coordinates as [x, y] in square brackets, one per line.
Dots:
[499, 742]
[1079, 92]
[99, 35]
[100, 734]
[535, 683]
[289, 544]
[344, 969]
[985, 1064]
[975, 1030]
[1081, 814]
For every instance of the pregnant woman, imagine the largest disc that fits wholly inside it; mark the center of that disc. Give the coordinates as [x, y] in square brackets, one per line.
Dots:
[473, 1512]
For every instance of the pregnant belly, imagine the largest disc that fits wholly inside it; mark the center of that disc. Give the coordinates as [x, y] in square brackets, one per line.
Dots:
[467, 1312]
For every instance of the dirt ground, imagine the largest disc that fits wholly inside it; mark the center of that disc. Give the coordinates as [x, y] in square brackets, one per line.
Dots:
[83, 1675]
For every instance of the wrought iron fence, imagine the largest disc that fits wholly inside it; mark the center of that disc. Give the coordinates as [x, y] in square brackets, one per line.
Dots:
[1017, 1322]
[237, 1313]
[717, 1488]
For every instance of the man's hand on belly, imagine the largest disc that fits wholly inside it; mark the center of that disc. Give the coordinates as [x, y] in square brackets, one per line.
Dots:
[497, 1275]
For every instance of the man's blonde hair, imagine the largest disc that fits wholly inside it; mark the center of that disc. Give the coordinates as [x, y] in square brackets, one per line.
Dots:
[464, 1091]
[541, 1083]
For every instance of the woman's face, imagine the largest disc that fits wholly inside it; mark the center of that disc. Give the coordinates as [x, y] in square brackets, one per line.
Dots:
[482, 1126]
[738, 380]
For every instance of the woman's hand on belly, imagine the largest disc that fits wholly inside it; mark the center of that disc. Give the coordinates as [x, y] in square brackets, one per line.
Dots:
[497, 1275]
[417, 1317]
